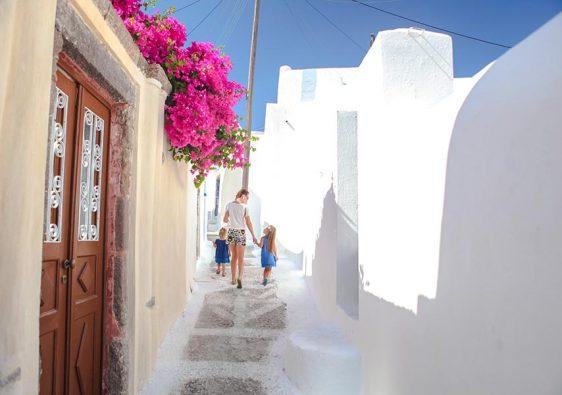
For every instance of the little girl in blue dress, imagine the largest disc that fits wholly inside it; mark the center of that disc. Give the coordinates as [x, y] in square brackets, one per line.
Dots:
[268, 252]
[222, 254]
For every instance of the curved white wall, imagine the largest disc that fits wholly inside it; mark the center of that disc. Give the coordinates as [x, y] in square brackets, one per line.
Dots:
[495, 325]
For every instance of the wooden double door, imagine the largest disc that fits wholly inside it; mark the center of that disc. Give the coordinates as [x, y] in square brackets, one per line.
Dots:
[72, 272]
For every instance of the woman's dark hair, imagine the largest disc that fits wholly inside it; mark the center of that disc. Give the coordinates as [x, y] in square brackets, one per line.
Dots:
[242, 192]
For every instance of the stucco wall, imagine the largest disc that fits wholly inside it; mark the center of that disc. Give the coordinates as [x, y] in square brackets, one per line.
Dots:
[494, 326]
[25, 66]
[403, 136]
[458, 240]
[459, 247]
[165, 236]
[154, 203]
[402, 131]
[297, 153]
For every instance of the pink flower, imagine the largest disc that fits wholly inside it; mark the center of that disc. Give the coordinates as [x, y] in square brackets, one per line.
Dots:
[201, 123]
[127, 8]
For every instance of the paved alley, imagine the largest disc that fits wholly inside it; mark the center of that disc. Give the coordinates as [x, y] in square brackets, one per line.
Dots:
[230, 341]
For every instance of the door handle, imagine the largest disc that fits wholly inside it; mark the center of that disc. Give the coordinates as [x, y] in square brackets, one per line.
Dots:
[69, 264]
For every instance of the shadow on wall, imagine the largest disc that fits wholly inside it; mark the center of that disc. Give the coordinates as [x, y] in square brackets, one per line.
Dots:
[335, 274]
[495, 325]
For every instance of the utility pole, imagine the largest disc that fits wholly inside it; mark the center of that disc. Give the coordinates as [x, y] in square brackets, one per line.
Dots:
[250, 95]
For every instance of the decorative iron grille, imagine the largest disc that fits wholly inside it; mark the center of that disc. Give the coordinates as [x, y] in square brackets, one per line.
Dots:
[55, 191]
[90, 176]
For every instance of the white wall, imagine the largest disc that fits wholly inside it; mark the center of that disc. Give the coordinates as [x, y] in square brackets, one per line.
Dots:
[297, 154]
[459, 240]
[406, 100]
[494, 327]
[410, 101]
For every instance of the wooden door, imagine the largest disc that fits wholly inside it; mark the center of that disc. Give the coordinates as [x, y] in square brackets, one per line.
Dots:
[73, 252]
[86, 285]
[57, 238]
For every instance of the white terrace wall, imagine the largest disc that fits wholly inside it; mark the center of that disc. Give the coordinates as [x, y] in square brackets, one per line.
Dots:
[491, 328]
[494, 326]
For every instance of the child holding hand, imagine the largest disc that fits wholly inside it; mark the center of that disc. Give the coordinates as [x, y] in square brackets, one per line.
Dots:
[268, 252]
[222, 254]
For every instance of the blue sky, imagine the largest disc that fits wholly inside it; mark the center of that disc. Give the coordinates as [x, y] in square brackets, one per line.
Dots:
[292, 33]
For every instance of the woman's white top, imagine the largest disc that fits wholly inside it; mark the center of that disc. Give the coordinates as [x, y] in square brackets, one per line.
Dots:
[236, 215]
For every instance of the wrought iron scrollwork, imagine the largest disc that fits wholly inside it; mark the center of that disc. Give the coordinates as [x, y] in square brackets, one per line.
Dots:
[56, 167]
[90, 176]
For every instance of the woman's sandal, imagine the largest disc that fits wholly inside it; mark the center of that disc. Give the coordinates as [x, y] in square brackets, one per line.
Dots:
[239, 284]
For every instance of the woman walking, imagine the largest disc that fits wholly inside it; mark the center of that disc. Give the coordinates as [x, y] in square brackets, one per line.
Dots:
[237, 218]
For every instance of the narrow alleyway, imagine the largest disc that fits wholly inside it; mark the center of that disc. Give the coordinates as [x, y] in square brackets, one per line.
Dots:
[231, 341]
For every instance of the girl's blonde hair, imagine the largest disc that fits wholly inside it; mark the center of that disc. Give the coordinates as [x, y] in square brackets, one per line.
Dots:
[271, 238]
[222, 233]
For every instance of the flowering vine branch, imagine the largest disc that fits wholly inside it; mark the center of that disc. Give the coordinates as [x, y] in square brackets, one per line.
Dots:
[201, 124]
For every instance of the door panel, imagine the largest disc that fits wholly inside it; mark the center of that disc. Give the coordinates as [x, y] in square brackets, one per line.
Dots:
[56, 238]
[83, 356]
[87, 271]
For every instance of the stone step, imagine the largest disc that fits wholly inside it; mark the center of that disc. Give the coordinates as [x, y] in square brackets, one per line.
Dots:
[322, 361]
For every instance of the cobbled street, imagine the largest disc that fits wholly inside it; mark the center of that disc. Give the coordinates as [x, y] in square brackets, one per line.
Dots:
[230, 341]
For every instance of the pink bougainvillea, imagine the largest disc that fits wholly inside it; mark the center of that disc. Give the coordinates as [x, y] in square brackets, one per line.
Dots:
[127, 8]
[201, 123]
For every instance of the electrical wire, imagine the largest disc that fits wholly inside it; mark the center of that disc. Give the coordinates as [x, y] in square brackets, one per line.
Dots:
[430, 26]
[370, 2]
[185, 6]
[232, 27]
[336, 26]
[224, 18]
[206, 16]
[297, 22]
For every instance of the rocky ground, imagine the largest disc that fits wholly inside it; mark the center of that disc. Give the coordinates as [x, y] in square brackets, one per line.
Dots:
[231, 341]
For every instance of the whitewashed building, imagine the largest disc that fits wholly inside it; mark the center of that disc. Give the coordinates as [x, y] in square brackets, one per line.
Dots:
[424, 207]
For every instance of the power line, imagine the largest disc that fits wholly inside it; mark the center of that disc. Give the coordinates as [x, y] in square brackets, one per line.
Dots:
[336, 26]
[430, 26]
[232, 24]
[298, 24]
[185, 6]
[206, 16]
